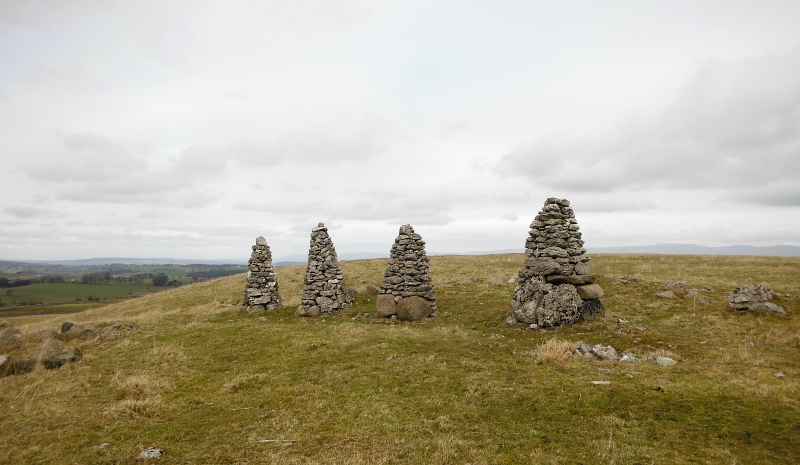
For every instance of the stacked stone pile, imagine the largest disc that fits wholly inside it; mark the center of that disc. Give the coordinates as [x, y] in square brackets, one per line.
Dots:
[261, 290]
[754, 298]
[555, 286]
[324, 290]
[406, 289]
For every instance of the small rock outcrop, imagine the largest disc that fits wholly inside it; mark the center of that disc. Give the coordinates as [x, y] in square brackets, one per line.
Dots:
[406, 277]
[324, 289]
[11, 338]
[754, 298]
[261, 290]
[555, 287]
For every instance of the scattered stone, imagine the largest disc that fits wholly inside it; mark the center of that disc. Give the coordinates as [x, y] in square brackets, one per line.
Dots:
[534, 326]
[662, 361]
[65, 326]
[597, 352]
[601, 383]
[754, 298]
[620, 321]
[57, 360]
[150, 453]
[118, 329]
[261, 319]
[11, 338]
[512, 279]
[13, 366]
[555, 286]
[407, 276]
[5, 365]
[49, 348]
[703, 342]
[324, 289]
[628, 357]
[629, 376]
[261, 290]
[675, 285]
[665, 295]
[779, 375]
[511, 320]
[413, 308]
[103, 445]
[79, 332]
[4, 324]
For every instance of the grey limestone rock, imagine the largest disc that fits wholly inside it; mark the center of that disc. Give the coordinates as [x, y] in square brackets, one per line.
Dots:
[546, 293]
[407, 272]
[754, 298]
[324, 289]
[261, 290]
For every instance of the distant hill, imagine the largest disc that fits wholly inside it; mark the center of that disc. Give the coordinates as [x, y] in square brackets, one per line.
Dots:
[692, 249]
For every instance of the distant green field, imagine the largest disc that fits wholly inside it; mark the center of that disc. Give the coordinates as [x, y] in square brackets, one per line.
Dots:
[68, 292]
[48, 309]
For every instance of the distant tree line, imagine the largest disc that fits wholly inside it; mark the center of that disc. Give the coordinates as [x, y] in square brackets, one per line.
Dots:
[5, 282]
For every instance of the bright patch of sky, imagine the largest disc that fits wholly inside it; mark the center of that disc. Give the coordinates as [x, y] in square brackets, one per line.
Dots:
[186, 129]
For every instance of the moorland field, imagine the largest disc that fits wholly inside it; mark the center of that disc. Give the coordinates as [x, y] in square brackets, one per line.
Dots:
[209, 385]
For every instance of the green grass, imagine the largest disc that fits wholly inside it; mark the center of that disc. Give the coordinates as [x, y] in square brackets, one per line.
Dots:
[48, 309]
[207, 384]
[68, 292]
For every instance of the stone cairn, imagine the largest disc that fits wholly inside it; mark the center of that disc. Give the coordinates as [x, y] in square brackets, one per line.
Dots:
[406, 289]
[555, 286]
[754, 298]
[261, 291]
[324, 290]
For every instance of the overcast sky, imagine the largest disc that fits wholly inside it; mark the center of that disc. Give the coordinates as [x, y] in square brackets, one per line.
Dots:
[186, 129]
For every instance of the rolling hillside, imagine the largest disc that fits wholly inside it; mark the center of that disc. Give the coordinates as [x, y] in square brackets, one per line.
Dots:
[208, 385]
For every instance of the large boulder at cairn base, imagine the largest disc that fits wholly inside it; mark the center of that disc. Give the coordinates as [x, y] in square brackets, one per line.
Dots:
[547, 304]
[413, 308]
[386, 305]
[754, 298]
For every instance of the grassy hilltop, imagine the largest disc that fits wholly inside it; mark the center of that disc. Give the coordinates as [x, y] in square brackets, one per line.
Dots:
[209, 385]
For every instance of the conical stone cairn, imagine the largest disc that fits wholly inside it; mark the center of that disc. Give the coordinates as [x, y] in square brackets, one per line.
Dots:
[261, 290]
[324, 290]
[406, 289]
[556, 286]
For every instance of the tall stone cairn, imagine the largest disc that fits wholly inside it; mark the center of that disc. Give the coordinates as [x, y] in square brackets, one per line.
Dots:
[406, 289]
[324, 290]
[261, 291]
[556, 286]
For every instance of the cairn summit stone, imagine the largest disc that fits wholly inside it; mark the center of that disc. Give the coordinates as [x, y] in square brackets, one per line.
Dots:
[555, 287]
[407, 276]
[324, 290]
[261, 290]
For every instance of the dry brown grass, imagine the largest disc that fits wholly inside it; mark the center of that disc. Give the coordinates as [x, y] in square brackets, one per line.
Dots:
[555, 351]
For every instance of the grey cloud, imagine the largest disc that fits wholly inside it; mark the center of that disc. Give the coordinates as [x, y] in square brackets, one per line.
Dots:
[311, 145]
[734, 124]
[29, 212]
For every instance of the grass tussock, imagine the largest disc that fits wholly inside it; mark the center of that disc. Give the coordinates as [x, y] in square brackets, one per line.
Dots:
[555, 351]
[208, 384]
